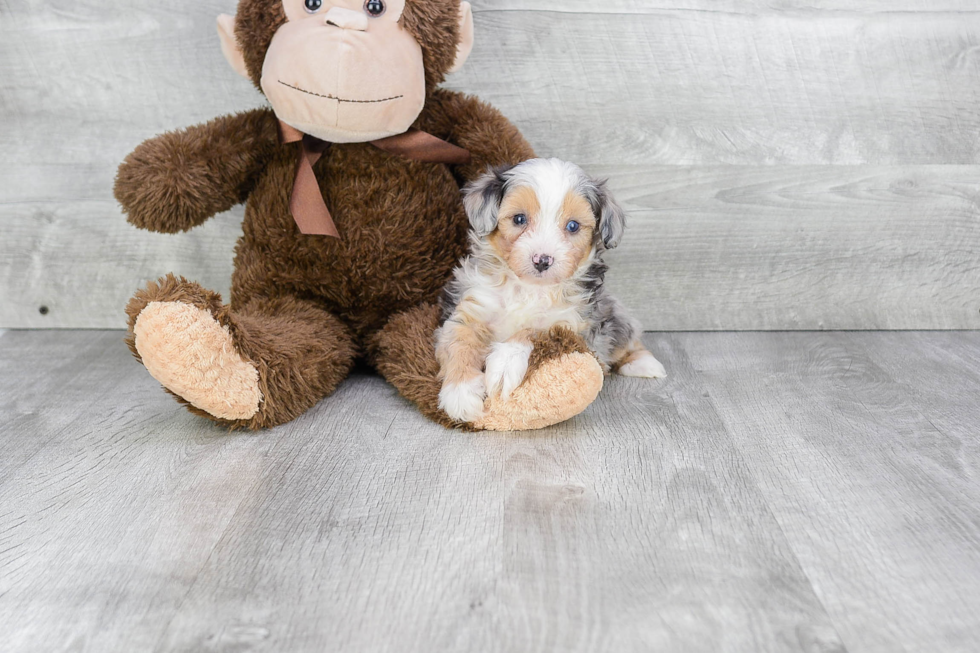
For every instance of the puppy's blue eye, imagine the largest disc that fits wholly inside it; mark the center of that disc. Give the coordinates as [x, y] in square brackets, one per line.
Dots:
[313, 6]
[520, 219]
[573, 227]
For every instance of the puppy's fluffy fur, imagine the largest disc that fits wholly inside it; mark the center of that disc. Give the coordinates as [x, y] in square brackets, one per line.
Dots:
[539, 231]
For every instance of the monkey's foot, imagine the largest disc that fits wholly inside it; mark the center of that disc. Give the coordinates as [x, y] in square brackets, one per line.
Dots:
[563, 378]
[176, 333]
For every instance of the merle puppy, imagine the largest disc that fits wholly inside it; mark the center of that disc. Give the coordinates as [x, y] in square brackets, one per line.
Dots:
[539, 231]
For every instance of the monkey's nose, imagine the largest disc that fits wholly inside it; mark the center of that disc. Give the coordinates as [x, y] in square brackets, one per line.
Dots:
[542, 262]
[347, 19]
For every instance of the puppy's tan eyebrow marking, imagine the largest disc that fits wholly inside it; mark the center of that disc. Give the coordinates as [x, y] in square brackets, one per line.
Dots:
[339, 99]
[521, 199]
[576, 207]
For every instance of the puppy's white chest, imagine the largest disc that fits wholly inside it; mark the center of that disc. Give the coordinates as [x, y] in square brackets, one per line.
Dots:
[519, 308]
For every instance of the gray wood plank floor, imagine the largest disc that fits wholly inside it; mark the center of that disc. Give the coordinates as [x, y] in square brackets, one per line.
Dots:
[779, 492]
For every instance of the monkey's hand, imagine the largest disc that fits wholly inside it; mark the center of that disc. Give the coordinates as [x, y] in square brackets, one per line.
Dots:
[178, 180]
[472, 124]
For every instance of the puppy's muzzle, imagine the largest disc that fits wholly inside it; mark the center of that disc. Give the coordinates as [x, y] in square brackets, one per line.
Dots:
[542, 262]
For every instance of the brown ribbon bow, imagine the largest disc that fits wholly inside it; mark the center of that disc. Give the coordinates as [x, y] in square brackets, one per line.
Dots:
[306, 203]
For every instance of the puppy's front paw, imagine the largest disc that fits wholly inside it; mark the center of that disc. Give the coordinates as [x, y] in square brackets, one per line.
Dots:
[644, 365]
[506, 367]
[463, 402]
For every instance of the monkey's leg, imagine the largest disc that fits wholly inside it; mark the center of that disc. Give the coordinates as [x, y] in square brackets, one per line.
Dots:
[563, 377]
[254, 367]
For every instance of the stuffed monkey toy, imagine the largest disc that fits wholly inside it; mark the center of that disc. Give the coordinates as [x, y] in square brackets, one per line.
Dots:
[353, 222]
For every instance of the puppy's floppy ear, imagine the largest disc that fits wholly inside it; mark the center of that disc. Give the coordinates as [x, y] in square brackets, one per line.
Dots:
[609, 214]
[482, 200]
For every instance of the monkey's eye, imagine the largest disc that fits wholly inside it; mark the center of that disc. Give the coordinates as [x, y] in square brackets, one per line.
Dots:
[520, 219]
[313, 6]
[573, 227]
[374, 8]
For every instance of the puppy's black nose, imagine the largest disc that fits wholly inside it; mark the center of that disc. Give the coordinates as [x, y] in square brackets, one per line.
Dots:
[542, 262]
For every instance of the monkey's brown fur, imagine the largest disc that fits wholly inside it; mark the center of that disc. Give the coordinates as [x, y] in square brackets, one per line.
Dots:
[303, 308]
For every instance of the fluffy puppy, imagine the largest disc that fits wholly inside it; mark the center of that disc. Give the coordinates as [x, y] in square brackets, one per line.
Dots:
[539, 231]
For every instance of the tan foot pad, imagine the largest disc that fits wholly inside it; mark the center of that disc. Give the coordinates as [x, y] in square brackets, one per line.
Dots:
[560, 389]
[192, 355]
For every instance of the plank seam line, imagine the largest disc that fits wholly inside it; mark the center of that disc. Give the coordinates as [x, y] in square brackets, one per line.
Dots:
[752, 479]
[217, 542]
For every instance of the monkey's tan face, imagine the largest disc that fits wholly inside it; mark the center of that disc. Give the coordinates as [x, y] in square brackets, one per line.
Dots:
[345, 71]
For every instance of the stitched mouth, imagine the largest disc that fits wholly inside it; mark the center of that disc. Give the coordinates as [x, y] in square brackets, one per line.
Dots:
[340, 99]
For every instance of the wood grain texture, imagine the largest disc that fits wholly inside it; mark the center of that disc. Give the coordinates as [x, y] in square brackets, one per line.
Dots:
[780, 492]
[941, 374]
[789, 248]
[81, 84]
[812, 7]
[103, 479]
[811, 247]
[880, 86]
[872, 478]
[700, 86]
[362, 527]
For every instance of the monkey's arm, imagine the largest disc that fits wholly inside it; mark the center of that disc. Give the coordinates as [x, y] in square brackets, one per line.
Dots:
[178, 180]
[475, 125]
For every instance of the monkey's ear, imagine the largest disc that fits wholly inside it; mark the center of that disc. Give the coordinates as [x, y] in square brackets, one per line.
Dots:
[611, 216]
[482, 200]
[466, 36]
[229, 45]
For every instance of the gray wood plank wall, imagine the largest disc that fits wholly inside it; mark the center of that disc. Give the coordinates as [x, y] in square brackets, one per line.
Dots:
[788, 164]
